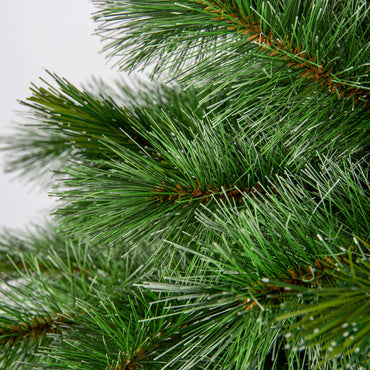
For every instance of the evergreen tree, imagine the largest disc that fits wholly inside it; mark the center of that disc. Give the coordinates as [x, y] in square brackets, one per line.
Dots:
[215, 217]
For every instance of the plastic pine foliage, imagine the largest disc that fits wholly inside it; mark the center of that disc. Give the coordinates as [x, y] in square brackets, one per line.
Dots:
[215, 216]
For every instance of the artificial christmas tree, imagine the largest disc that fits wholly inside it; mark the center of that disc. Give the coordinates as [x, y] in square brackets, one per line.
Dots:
[213, 218]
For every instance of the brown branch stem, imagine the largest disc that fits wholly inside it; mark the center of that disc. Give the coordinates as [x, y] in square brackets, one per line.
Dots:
[205, 194]
[34, 329]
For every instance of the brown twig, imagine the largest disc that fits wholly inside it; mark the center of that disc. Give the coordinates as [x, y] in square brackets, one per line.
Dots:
[34, 329]
[204, 194]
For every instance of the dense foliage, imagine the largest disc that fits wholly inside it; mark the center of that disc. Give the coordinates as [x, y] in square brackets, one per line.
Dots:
[213, 217]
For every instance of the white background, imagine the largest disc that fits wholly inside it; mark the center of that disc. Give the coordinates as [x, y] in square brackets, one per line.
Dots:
[37, 35]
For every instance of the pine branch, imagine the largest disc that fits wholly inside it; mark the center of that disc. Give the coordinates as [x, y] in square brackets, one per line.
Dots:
[269, 99]
[192, 163]
[72, 122]
[338, 321]
[234, 13]
[287, 34]
[81, 114]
